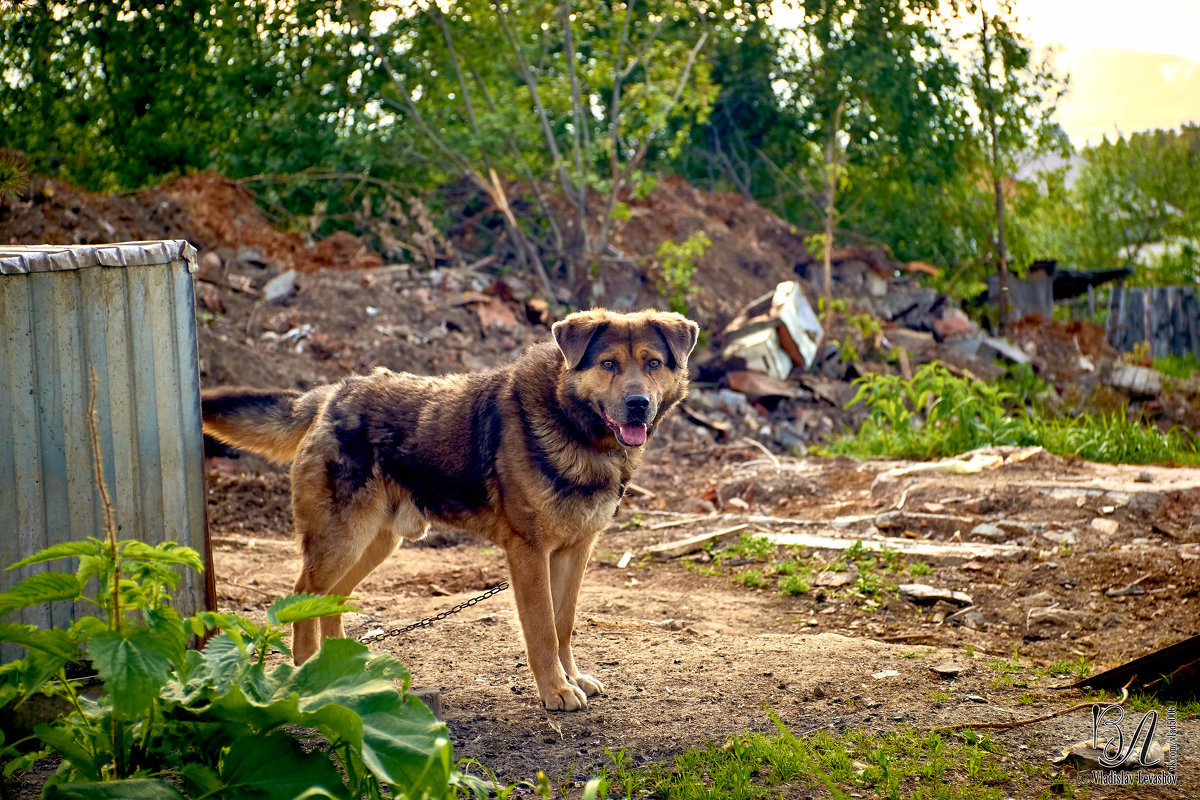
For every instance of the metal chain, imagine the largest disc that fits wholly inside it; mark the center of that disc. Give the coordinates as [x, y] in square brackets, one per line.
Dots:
[425, 623]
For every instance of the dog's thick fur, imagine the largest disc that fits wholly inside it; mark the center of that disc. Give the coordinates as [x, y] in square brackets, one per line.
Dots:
[533, 456]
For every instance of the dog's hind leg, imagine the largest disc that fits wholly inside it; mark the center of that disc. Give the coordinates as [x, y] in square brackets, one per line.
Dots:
[566, 576]
[339, 547]
[382, 546]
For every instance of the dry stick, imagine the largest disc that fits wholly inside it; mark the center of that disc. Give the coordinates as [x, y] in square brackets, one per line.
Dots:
[770, 455]
[1016, 723]
[110, 528]
[228, 582]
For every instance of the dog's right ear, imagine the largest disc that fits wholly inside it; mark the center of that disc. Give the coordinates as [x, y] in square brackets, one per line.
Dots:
[574, 333]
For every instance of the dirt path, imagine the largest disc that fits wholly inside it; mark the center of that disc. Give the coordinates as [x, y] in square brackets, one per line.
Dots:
[689, 657]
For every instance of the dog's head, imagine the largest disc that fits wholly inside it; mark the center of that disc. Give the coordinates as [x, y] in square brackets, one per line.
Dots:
[629, 369]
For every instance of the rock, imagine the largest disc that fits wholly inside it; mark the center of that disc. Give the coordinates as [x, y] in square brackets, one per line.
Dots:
[885, 673]
[832, 580]
[970, 618]
[948, 669]
[925, 595]
[1106, 526]
[993, 533]
[737, 504]
[280, 287]
[1038, 599]
[947, 327]
[1046, 620]
[1085, 758]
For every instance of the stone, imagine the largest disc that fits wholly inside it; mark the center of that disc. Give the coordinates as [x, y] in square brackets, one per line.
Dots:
[1105, 526]
[885, 673]
[925, 595]
[832, 580]
[1085, 758]
[1050, 619]
[970, 618]
[948, 669]
[280, 287]
[993, 533]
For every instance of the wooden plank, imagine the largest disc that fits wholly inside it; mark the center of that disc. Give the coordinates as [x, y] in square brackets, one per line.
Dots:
[692, 544]
[1114, 324]
[908, 547]
[1160, 321]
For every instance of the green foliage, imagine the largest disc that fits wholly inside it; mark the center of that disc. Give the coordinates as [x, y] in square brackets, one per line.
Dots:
[902, 763]
[1182, 367]
[937, 414]
[175, 723]
[793, 585]
[748, 545]
[677, 263]
[751, 579]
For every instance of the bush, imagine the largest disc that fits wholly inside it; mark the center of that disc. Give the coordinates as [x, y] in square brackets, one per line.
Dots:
[175, 723]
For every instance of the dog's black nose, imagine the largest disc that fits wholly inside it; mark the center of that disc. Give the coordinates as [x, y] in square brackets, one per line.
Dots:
[637, 403]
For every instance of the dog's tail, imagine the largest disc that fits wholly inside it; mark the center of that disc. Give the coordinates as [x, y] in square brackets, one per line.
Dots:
[269, 423]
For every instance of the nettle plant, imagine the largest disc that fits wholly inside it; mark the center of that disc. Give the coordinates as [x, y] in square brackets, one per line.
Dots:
[214, 723]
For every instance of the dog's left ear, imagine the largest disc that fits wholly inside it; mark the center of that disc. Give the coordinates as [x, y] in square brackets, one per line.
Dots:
[574, 334]
[680, 334]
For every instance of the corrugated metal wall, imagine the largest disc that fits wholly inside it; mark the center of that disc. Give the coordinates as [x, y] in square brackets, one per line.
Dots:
[127, 311]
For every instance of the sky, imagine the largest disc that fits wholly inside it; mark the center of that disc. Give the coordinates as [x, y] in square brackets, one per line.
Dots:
[1133, 66]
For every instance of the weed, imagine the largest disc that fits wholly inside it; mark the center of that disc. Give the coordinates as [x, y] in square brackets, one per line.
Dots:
[793, 585]
[677, 261]
[694, 565]
[938, 414]
[919, 569]
[751, 579]
[940, 696]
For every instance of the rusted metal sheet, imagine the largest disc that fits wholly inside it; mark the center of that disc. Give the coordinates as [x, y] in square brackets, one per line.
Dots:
[126, 311]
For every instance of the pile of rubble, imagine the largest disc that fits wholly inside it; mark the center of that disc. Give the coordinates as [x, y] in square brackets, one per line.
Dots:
[276, 309]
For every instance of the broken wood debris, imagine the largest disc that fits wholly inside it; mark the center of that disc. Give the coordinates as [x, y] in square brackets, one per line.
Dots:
[683, 547]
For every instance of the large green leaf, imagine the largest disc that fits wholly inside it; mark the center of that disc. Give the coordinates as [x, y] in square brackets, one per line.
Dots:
[347, 693]
[44, 587]
[257, 766]
[54, 641]
[136, 789]
[170, 552]
[298, 607]
[88, 547]
[133, 667]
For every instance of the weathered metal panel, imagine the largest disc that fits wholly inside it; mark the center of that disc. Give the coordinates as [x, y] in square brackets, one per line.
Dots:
[126, 312]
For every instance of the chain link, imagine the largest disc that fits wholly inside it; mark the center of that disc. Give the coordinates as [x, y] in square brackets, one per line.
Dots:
[425, 623]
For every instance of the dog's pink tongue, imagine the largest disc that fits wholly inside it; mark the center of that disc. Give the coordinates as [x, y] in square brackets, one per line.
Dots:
[633, 434]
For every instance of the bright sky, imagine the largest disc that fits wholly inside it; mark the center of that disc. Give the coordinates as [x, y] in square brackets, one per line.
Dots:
[1133, 65]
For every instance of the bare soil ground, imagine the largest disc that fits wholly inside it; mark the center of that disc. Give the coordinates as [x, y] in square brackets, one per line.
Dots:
[689, 658]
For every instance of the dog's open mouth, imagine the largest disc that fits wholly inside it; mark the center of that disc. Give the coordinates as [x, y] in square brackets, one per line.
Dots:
[631, 434]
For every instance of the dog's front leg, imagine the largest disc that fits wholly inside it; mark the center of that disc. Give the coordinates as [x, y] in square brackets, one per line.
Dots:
[566, 576]
[530, 571]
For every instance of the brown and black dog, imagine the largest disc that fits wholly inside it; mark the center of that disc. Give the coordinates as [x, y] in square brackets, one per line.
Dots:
[533, 456]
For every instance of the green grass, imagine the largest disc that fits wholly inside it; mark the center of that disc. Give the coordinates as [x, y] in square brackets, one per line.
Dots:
[1180, 367]
[937, 414]
[902, 763]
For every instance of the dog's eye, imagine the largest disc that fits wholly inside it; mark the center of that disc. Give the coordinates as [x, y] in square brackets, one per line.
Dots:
[653, 363]
[609, 365]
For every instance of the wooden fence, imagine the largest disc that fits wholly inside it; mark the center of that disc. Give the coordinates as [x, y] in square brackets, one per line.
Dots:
[1167, 317]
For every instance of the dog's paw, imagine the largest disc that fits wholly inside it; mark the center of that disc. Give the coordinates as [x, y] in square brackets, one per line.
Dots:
[565, 698]
[589, 685]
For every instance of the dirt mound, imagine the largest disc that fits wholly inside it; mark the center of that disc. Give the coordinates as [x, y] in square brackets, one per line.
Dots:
[752, 249]
[209, 210]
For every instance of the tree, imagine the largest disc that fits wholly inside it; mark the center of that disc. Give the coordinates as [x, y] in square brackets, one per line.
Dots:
[1014, 99]
[574, 97]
